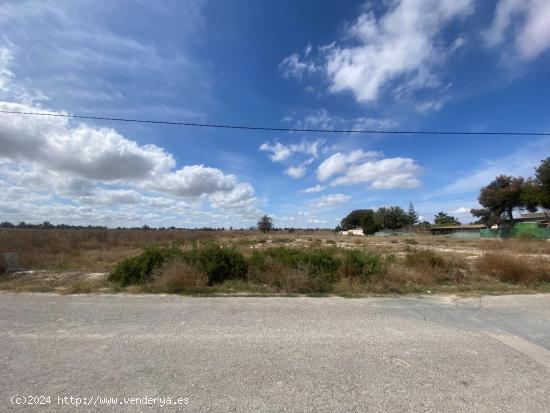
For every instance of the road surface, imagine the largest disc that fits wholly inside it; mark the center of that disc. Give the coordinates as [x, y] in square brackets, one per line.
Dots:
[274, 354]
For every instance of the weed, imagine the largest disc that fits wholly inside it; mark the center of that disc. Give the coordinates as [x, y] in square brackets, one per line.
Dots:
[510, 269]
[176, 277]
[136, 270]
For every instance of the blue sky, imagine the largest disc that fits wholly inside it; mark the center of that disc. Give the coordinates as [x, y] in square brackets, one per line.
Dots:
[467, 65]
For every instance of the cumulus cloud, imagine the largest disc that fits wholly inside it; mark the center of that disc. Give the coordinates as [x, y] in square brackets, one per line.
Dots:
[102, 155]
[326, 201]
[295, 172]
[400, 50]
[52, 165]
[387, 173]
[314, 189]
[338, 162]
[527, 21]
[360, 167]
[280, 152]
[405, 42]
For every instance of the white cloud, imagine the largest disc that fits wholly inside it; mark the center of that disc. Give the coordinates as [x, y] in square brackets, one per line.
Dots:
[293, 66]
[326, 201]
[102, 155]
[389, 173]
[405, 44]
[338, 162]
[83, 174]
[97, 167]
[314, 189]
[280, 152]
[528, 21]
[295, 172]
[6, 75]
[374, 123]
[462, 210]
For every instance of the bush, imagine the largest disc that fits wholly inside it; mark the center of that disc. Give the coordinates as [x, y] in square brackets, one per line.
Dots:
[361, 264]
[137, 270]
[176, 277]
[441, 269]
[265, 270]
[218, 263]
[321, 266]
[510, 269]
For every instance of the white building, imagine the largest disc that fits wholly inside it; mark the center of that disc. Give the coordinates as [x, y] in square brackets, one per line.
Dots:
[356, 231]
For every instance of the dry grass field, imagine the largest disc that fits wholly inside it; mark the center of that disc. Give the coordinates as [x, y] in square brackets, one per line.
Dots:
[302, 262]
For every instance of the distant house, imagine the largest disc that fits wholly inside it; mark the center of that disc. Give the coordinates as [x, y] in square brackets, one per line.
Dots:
[471, 229]
[539, 217]
[356, 231]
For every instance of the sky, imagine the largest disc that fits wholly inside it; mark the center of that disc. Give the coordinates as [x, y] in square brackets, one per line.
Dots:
[453, 65]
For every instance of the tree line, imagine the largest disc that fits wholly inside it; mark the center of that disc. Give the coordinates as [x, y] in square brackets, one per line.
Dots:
[499, 199]
[505, 194]
[392, 217]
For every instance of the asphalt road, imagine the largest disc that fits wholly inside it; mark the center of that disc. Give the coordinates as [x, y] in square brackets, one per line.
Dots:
[276, 354]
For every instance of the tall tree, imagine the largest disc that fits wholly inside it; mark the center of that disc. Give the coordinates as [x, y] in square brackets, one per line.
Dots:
[265, 224]
[486, 217]
[536, 192]
[412, 215]
[445, 219]
[502, 196]
[393, 217]
[360, 218]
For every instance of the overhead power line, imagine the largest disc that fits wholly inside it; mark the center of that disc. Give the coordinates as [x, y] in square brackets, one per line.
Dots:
[267, 128]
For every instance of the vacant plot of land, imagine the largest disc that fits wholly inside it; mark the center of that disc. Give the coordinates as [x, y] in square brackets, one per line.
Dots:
[80, 261]
[301, 354]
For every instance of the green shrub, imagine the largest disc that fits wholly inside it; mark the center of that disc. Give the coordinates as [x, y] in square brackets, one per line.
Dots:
[361, 264]
[218, 263]
[320, 265]
[139, 269]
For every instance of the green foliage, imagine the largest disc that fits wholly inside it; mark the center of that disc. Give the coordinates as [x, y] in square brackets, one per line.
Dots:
[361, 264]
[486, 217]
[536, 192]
[393, 217]
[217, 263]
[360, 218]
[445, 219]
[320, 265]
[412, 216]
[370, 221]
[265, 224]
[137, 270]
[502, 196]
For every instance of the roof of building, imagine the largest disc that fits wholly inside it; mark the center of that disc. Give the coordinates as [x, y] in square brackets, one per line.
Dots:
[470, 226]
[534, 216]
